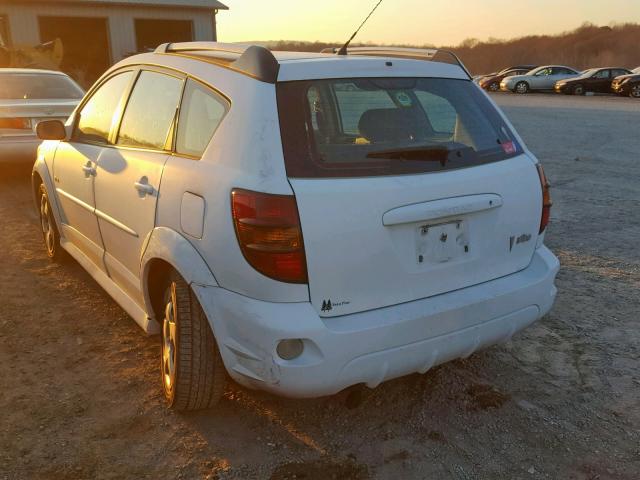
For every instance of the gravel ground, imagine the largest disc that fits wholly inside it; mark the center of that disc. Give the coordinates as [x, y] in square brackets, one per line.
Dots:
[80, 390]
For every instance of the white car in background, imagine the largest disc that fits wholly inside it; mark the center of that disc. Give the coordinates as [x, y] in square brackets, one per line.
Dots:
[541, 78]
[304, 222]
[28, 96]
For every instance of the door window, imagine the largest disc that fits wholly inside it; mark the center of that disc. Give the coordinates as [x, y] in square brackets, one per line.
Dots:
[96, 115]
[602, 74]
[200, 114]
[543, 72]
[150, 112]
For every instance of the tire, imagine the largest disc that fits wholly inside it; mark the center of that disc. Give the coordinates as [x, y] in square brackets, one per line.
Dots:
[50, 233]
[494, 87]
[522, 88]
[578, 90]
[634, 91]
[193, 375]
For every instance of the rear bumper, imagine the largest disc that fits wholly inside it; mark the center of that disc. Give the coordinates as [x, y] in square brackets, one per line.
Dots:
[15, 149]
[374, 346]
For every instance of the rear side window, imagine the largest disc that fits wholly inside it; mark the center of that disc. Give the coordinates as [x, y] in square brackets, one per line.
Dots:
[200, 114]
[150, 112]
[388, 126]
[96, 115]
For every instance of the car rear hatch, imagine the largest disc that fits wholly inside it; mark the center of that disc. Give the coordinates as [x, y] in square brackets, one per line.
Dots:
[29, 96]
[406, 188]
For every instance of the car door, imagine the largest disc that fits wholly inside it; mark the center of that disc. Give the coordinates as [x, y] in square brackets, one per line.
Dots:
[75, 163]
[128, 174]
[601, 81]
[541, 80]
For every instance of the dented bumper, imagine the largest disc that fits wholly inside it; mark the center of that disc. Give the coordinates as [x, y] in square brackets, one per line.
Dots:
[374, 346]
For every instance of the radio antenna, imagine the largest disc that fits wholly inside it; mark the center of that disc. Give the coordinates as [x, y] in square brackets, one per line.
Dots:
[343, 49]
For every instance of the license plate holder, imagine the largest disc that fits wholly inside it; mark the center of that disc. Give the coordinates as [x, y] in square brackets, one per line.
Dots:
[442, 242]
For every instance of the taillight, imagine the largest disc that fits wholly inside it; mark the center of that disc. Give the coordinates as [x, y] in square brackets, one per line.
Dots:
[16, 123]
[269, 234]
[546, 199]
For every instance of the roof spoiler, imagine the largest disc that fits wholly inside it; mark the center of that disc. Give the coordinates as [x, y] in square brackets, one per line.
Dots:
[427, 54]
[253, 60]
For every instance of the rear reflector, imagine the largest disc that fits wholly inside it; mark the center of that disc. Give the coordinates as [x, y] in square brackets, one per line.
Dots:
[16, 123]
[269, 234]
[546, 199]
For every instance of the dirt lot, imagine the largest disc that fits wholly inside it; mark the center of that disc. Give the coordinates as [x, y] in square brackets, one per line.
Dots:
[79, 382]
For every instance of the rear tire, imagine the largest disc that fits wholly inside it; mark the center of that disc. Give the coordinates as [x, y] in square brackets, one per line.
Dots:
[50, 233]
[193, 375]
[522, 88]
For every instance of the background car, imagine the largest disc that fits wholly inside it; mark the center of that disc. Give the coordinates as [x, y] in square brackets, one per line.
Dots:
[479, 78]
[627, 84]
[492, 83]
[593, 80]
[541, 78]
[26, 97]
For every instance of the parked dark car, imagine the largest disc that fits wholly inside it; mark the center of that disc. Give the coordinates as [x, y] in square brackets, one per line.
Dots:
[492, 82]
[596, 80]
[627, 84]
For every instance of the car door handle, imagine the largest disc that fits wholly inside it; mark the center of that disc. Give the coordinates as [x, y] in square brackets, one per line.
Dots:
[88, 170]
[143, 187]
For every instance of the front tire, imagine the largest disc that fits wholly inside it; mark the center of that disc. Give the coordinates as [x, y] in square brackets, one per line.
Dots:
[50, 233]
[494, 87]
[634, 91]
[522, 88]
[578, 90]
[193, 375]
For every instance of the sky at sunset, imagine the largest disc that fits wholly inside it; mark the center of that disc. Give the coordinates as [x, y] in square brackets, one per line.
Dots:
[437, 22]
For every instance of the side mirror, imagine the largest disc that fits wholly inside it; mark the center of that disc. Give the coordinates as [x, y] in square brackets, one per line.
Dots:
[51, 130]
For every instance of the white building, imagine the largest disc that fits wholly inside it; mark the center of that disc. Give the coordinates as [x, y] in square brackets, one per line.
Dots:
[98, 33]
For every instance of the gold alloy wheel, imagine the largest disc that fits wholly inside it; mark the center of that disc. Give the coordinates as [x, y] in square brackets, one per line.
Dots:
[170, 341]
[46, 223]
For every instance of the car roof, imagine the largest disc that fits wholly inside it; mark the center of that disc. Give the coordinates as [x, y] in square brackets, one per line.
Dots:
[277, 66]
[32, 70]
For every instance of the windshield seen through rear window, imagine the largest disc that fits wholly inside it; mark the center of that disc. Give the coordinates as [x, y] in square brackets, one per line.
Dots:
[15, 86]
[387, 126]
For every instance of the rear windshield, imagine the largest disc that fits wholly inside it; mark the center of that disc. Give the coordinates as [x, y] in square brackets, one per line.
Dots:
[14, 86]
[388, 126]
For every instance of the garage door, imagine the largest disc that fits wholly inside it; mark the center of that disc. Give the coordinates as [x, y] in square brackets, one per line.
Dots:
[86, 45]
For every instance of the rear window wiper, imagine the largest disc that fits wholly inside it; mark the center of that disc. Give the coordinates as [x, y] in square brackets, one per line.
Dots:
[425, 153]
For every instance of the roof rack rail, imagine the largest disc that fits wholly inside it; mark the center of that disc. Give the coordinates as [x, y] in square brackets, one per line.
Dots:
[253, 60]
[427, 54]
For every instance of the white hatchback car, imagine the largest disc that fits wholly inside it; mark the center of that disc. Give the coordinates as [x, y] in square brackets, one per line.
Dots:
[304, 222]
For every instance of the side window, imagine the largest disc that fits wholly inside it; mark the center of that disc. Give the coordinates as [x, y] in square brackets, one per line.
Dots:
[602, 74]
[200, 114]
[440, 112]
[150, 112]
[617, 73]
[96, 116]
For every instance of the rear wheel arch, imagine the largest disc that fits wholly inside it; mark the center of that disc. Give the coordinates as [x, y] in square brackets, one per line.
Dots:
[166, 251]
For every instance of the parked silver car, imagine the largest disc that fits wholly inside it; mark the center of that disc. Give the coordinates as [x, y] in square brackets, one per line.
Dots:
[26, 97]
[541, 78]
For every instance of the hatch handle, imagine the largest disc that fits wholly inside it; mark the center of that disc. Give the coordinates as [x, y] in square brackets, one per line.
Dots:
[442, 208]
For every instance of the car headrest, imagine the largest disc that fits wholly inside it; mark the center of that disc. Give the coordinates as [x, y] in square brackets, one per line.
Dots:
[390, 124]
